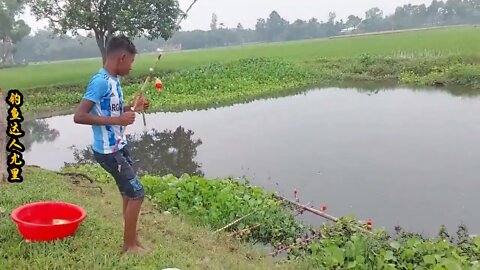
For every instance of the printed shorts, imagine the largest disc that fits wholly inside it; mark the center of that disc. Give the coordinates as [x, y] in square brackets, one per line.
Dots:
[120, 166]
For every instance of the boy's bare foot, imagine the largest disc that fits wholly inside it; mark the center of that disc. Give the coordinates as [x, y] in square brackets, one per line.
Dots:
[146, 249]
[137, 242]
[140, 245]
[134, 251]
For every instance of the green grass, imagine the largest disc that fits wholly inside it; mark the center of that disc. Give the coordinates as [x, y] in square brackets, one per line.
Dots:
[463, 40]
[199, 87]
[240, 81]
[97, 243]
[223, 84]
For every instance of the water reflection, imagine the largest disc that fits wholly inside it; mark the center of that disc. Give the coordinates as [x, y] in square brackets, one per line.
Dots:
[38, 131]
[158, 153]
[404, 157]
[374, 88]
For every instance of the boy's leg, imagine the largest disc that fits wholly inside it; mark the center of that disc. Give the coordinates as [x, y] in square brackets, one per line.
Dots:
[120, 167]
[131, 218]
[128, 158]
[125, 202]
[133, 193]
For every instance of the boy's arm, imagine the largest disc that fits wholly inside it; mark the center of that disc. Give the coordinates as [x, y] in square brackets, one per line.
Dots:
[95, 91]
[83, 116]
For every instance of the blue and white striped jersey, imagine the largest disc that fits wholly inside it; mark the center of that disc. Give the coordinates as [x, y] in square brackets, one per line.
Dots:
[105, 91]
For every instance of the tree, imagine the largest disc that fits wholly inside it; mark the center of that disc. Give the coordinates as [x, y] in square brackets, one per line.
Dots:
[276, 26]
[313, 27]
[134, 18]
[213, 24]
[331, 17]
[373, 13]
[45, 46]
[261, 29]
[373, 20]
[433, 12]
[456, 10]
[240, 27]
[332, 28]
[11, 30]
[353, 21]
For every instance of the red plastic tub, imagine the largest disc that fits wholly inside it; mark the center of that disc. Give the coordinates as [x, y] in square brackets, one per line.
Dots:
[46, 221]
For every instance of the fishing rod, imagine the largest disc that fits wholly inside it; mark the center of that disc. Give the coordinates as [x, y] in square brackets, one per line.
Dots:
[177, 25]
[150, 74]
[322, 213]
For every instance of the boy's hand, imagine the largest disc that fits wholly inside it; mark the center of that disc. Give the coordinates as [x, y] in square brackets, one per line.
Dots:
[126, 119]
[141, 103]
[146, 104]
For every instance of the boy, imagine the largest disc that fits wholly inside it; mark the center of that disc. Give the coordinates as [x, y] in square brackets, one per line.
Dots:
[102, 108]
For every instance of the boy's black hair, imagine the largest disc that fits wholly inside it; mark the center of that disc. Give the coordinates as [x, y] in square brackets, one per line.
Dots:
[120, 42]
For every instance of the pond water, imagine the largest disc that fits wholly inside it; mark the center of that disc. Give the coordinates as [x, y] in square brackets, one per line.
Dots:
[399, 157]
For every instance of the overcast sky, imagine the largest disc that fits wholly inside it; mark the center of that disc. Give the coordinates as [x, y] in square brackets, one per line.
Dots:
[231, 12]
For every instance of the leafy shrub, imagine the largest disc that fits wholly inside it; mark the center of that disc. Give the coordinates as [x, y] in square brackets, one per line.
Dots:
[218, 202]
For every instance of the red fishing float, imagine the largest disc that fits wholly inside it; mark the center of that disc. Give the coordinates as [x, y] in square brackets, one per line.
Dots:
[158, 84]
[324, 208]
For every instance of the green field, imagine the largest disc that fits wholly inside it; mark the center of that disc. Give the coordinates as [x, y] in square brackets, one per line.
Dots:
[464, 40]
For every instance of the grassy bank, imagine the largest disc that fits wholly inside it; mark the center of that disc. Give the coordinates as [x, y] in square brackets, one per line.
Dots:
[262, 218]
[184, 238]
[199, 87]
[239, 81]
[97, 243]
[433, 42]
[410, 70]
